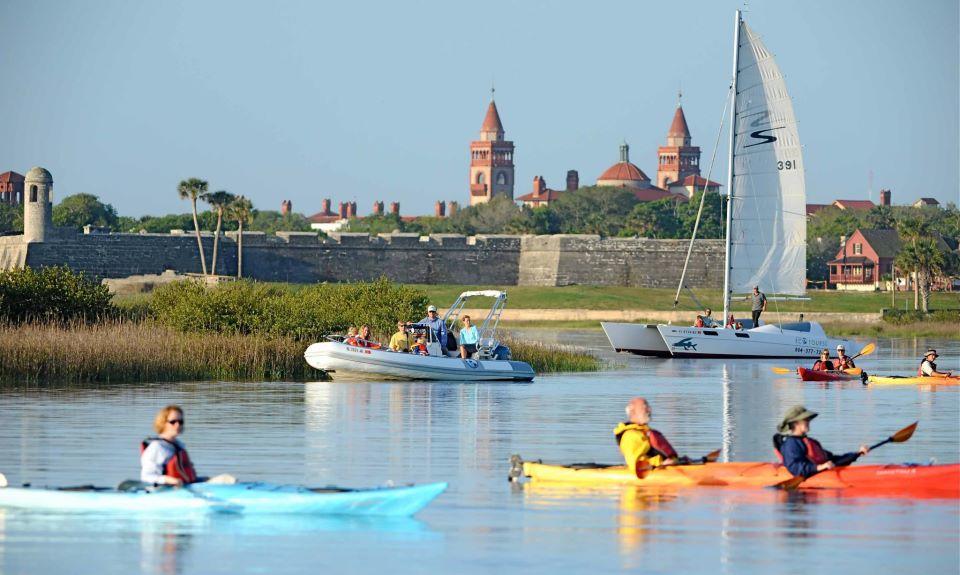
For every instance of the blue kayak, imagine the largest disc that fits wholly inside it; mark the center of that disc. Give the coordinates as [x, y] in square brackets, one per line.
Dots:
[246, 498]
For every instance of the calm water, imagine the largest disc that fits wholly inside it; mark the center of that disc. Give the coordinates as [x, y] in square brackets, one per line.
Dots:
[364, 434]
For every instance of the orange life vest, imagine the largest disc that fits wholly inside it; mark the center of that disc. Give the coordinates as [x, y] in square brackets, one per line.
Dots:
[420, 348]
[821, 365]
[179, 465]
[698, 323]
[815, 452]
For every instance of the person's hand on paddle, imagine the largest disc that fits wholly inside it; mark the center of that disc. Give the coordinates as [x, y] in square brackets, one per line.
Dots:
[669, 461]
[863, 450]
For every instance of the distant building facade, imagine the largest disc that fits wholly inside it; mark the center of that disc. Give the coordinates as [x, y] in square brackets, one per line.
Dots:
[11, 188]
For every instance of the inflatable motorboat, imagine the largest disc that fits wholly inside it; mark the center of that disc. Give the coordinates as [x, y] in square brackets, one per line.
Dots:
[491, 362]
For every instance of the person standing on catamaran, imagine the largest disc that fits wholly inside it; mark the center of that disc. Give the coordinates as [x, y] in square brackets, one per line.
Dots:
[759, 305]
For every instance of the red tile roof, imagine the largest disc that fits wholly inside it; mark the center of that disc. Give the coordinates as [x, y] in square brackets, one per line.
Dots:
[545, 196]
[491, 123]
[699, 182]
[678, 127]
[814, 208]
[624, 172]
[324, 218]
[853, 204]
[7, 177]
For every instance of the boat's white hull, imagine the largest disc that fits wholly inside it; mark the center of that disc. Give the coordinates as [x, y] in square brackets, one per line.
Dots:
[342, 359]
[680, 341]
[643, 339]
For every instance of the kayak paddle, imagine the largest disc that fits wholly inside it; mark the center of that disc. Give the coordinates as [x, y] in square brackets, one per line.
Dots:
[708, 458]
[867, 350]
[898, 437]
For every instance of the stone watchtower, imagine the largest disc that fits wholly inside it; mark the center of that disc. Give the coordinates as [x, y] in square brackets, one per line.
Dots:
[37, 205]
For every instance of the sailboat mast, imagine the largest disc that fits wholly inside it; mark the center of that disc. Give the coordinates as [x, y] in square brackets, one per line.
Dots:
[733, 136]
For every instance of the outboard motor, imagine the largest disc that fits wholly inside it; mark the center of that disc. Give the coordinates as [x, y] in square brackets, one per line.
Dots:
[501, 352]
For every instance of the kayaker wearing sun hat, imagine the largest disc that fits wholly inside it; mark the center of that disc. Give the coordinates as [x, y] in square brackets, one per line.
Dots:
[803, 455]
[928, 368]
[638, 442]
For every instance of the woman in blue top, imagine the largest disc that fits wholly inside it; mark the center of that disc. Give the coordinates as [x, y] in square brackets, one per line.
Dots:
[469, 336]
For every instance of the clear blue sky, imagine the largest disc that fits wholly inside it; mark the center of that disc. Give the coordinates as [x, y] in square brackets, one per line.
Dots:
[373, 101]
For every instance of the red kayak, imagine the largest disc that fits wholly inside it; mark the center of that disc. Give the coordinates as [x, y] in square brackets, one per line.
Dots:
[815, 375]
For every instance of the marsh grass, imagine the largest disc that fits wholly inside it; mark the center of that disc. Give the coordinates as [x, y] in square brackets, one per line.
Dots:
[551, 358]
[133, 352]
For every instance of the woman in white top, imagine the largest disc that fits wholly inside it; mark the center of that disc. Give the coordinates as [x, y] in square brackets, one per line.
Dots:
[163, 458]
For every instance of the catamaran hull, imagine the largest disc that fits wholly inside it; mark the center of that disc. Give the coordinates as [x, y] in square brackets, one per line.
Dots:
[346, 360]
[641, 339]
[767, 341]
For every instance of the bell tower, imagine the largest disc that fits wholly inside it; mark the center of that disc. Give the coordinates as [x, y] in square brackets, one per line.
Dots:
[491, 160]
[678, 159]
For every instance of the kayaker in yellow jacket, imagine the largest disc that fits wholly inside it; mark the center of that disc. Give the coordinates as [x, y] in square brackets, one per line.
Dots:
[638, 442]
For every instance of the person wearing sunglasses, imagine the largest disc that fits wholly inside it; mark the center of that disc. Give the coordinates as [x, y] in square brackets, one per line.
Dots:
[163, 458]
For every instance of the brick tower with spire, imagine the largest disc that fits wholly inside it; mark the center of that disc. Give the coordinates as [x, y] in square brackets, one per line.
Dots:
[678, 159]
[491, 160]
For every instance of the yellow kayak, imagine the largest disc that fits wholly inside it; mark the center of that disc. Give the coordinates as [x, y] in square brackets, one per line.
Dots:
[912, 380]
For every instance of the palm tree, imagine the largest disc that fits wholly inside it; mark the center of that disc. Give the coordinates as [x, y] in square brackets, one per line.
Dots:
[195, 189]
[240, 210]
[219, 201]
[926, 259]
[912, 230]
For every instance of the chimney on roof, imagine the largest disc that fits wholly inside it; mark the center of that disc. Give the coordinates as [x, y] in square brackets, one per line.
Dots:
[352, 209]
[453, 208]
[344, 210]
[395, 208]
[440, 209]
[573, 180]
[325, 206]
[539, 186]
[884, 197]
[378, 208]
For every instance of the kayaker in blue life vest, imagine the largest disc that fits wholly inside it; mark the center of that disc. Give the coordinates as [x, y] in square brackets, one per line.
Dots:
[638, 442]
[803, 455]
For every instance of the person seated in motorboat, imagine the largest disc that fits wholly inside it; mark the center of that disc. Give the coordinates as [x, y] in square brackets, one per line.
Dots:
[844, 361]
[351, 338]
[400, 341]
[420, 347]
[163, 458]
[802, 455]
[928, 368]
[824, 363]
[435, 323]
[640, 444]
[363, 338]
[469, 337]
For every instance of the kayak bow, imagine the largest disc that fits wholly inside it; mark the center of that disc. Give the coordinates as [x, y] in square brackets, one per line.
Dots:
[912, 380]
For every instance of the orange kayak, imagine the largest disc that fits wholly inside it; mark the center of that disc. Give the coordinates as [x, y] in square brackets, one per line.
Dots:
[895, 480]
[817, 375]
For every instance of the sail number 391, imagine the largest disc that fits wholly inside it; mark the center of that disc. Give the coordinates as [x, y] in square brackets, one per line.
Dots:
[787, 165]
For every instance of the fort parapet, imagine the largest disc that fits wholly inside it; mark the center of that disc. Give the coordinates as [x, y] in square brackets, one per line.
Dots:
[304, 257]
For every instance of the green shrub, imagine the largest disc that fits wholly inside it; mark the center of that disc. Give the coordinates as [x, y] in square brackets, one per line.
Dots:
[305, 314]
[51, 294]
[902, 317]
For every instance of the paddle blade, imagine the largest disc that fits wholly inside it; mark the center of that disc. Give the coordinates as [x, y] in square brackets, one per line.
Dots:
[781, 370]
[853, 371]
[643, 468]
[905, 433]
[711, 457]
[868, 349]
[791, 484]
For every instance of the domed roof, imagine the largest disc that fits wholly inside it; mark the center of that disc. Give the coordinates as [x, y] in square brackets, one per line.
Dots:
[39, 175]
[623, 172]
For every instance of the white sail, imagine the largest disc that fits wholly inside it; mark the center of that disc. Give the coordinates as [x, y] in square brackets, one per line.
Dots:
[768, 225]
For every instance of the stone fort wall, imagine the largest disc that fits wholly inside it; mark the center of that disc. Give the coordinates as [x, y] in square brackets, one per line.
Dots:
[302, 257]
